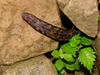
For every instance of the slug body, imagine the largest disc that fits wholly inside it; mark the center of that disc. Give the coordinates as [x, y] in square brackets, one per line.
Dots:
[47, 29]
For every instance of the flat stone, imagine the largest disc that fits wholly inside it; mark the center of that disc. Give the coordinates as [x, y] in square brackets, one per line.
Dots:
[18, 40]
[83, 14]
[35, 66]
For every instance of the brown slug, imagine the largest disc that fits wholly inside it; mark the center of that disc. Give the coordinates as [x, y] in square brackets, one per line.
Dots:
[47, 29]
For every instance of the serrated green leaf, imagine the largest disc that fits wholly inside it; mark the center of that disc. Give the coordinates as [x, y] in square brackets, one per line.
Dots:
[59, 64]
[73, 66]
[75, 40]
[85, 41]
[55, 54]
[66, 48]
[87, 58]
[69, 58]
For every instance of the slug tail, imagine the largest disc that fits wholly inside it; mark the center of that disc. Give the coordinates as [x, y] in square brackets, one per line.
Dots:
[47, 29]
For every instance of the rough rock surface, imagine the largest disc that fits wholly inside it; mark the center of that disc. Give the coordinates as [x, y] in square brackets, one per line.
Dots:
[83, 13]
[35, 66]
[96, 45]
[18, 41]
[62, 3]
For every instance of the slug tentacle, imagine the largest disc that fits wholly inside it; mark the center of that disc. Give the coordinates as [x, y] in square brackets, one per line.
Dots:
[47, 29]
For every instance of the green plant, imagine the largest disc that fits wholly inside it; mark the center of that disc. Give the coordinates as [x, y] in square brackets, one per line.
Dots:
[76, 52]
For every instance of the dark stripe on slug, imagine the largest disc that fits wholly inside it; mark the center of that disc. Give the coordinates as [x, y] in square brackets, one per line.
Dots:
[47, 29]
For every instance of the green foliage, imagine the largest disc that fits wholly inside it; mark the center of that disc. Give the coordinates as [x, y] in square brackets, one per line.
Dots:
[55, 54]
[59, 64]
[75, 40]
[62, 72]
[66, 48]
[85, 41]
[69, 57]
[73, 54]
[87, 58]
[73, 66]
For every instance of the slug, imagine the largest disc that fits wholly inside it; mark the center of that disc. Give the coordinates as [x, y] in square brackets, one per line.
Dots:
[49, 30]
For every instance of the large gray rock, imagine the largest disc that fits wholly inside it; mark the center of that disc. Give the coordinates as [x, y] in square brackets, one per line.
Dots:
[83, 13]
[35, 66]
[19, 41]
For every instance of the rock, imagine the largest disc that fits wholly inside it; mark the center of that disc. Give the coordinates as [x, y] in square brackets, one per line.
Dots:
[18, 40]
[83, 13]
[35, 66]
[79, 73]
[62, 3]
[67, 73]
[96, 45]
[98, 1]
[95, 71]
